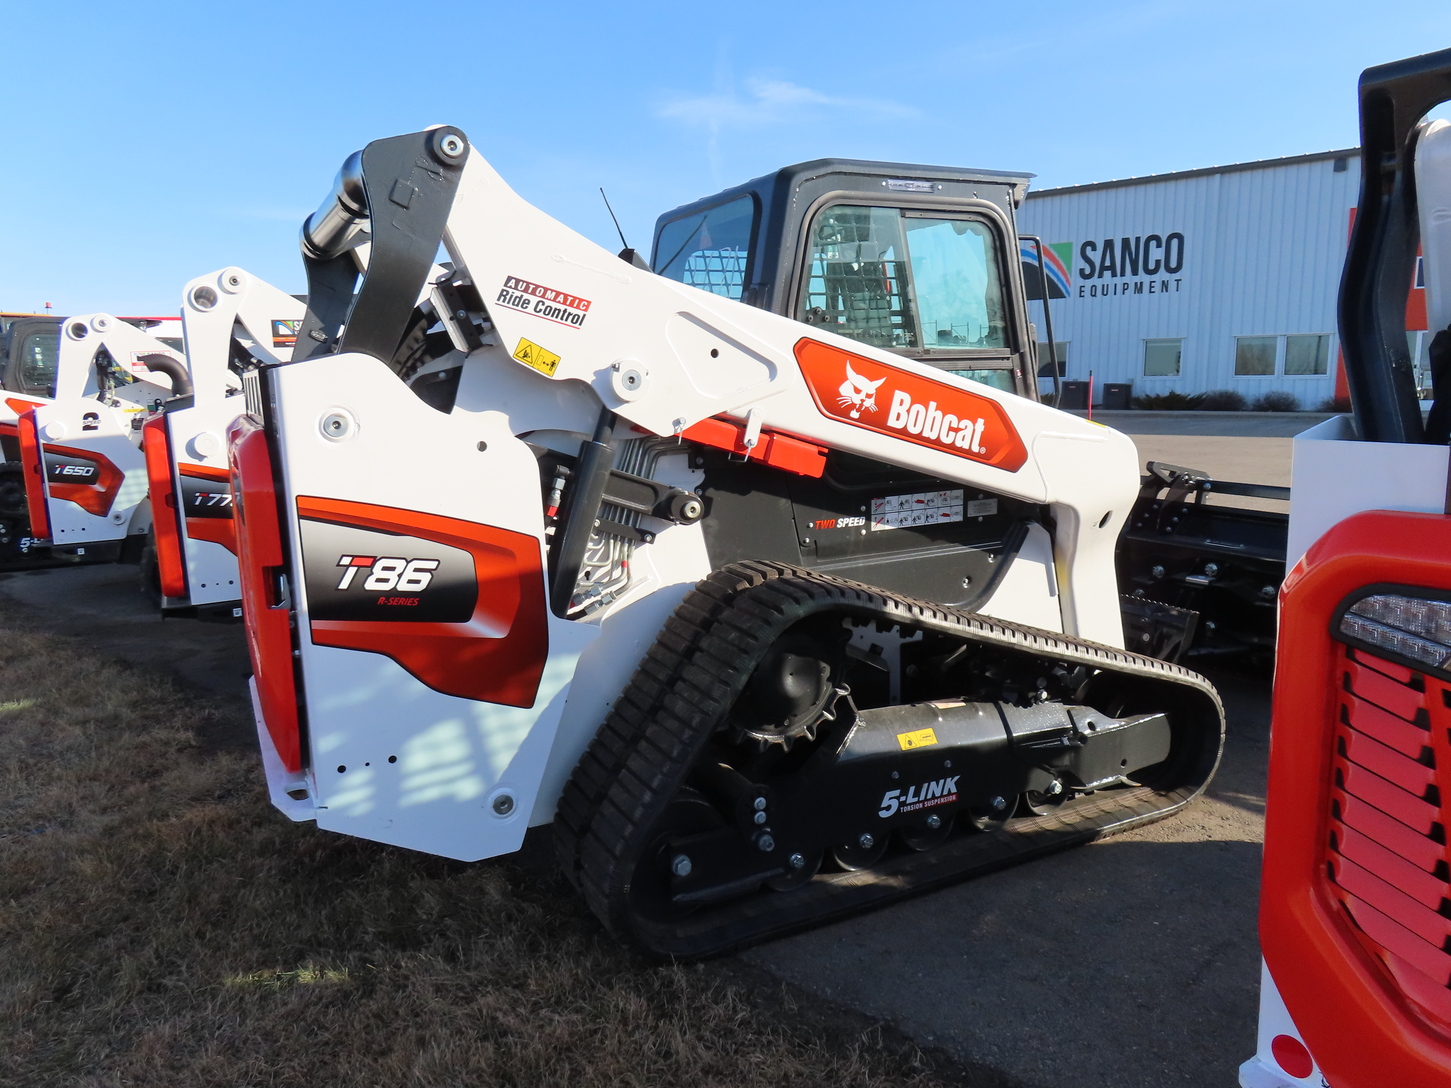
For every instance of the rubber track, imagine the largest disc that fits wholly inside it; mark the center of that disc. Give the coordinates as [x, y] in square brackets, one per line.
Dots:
[693, 674]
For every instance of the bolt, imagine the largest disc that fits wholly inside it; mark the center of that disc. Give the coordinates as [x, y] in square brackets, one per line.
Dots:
[691, 509]
[1267, 592]
[866, 842]
[796, 861]
[1157, 571]
[806, 540]
[503, 804]
[759, 804]
[998, 804]
[966, 582]
[680, 865]
[934, 822]
[766, 842]
[1053, 788]
[1211, 569]
[759, 817]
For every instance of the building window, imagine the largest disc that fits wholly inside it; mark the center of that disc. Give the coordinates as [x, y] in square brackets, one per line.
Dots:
[1255, 355]
[1161, 358]
[1307, 354]
[1045, 361]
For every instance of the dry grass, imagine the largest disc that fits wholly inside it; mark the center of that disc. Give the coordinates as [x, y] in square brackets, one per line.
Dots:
[160, 924]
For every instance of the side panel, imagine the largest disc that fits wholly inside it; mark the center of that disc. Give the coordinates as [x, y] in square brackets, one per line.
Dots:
[204, 497]
[1364, 1020]
[94, 471]
[403, 745]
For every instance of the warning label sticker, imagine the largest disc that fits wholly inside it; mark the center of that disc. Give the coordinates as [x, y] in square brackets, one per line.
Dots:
[546, 302]
[541, 359]
[926, 508]
[918, 738]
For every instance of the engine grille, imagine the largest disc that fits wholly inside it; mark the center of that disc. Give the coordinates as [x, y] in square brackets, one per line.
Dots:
[1386, 859]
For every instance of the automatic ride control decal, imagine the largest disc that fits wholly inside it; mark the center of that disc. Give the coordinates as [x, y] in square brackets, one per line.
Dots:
[883, 398]
[531, 298]
[457, 604]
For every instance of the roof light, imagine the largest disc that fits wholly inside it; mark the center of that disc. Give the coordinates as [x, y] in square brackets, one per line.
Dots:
[1410, 627]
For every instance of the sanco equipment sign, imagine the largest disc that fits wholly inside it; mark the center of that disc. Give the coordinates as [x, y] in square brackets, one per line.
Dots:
[1146, 264]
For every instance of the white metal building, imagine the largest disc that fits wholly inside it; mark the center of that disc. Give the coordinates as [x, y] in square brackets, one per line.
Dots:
[1221, 278]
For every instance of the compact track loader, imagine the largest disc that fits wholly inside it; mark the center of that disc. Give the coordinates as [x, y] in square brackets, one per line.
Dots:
[770, 623]
[29, 357]
[876, 252]
[120, 467]
[1355, 910]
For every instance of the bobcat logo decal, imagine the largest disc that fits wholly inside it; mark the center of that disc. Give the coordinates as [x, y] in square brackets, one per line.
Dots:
[858, 394]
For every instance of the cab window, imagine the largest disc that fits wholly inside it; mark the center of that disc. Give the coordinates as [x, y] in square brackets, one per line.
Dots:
[928, 284]
[709, 249]
[35, 362]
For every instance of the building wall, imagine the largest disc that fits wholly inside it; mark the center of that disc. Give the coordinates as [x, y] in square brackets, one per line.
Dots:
[1263, 249]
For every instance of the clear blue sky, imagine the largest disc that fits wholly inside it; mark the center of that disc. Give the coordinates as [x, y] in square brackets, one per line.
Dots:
[147, 143]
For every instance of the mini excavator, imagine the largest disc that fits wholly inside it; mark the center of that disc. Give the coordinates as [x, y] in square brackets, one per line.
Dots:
[771, 624]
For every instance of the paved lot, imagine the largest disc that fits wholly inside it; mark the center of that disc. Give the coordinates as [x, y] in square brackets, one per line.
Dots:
[1131, 963]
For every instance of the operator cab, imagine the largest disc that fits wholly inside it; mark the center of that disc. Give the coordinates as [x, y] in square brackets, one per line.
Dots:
[31, 344]
[918, 260]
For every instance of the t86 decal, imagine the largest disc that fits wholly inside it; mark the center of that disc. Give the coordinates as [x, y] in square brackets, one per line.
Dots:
[884, 398]
[458, 604]
[359, 574]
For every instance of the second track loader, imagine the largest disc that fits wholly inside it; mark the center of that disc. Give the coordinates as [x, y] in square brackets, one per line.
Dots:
[120, 467]
[771, 624]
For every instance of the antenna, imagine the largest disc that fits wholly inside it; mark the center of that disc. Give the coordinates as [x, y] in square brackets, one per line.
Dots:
[612, 216]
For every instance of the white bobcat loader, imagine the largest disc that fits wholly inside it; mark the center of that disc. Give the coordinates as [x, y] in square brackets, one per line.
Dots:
[771, 624]
[85, 482]
[131, 461]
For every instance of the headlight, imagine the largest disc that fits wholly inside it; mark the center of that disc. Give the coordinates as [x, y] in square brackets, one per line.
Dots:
[1412, 628]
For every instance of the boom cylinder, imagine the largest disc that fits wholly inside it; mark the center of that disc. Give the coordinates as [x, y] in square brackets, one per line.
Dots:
[334, 227]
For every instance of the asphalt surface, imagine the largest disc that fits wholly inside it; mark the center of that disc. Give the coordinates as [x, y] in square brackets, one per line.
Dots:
[1130, 963]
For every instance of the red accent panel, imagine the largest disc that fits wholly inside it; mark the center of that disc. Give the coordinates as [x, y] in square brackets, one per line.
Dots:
[269, 633]
[775, 449]
[1390, 833]
[1392, 868]
[156, 445]
[1400, 700]
[880, 397]
[1388, 797]
[1399, 673]
[1387, 762]
[34, 472]
[1367, 993]
[1386, 728]
[20, 407]
[498, 655]
[221, 531]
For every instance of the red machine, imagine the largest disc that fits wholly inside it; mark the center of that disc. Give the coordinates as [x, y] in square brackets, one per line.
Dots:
[1355, 917]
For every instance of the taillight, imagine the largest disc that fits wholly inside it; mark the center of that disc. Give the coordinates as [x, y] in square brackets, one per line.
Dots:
[265, 603]
[156, 444]
[32, 463]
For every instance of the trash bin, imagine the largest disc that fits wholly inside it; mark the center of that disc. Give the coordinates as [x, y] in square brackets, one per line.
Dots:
[1075, 395]
[1117, 395]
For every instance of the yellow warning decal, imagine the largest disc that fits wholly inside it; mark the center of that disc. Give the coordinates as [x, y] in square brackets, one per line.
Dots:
[541, 359]
[918, 738]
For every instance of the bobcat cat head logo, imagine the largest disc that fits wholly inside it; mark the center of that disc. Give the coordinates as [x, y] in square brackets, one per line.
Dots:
[857, 393]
